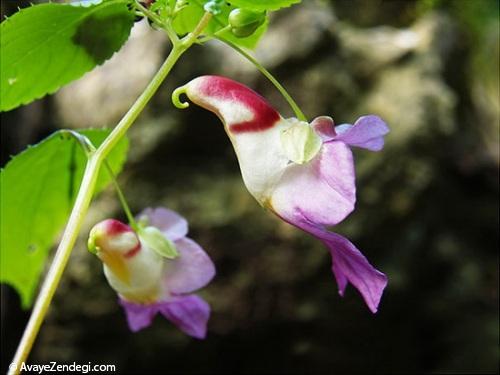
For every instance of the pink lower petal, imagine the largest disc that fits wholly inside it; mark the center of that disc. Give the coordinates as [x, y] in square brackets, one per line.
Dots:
[324, 189]
[189, 313]
[348, 263]
[192, 270]
[138, 316]
[322, 193]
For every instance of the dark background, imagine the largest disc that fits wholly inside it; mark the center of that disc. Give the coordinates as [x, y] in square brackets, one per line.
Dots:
[427, 211]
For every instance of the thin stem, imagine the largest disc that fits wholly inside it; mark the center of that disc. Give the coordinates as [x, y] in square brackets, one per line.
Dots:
[214, 35]
[151, 15]
[89, 149]
[300, 115]
[165, 25]
[84, 198]
[121, 196]
[172, 35]
[192, 37]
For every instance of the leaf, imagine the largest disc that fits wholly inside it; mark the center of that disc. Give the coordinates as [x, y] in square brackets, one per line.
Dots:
[37, 191]
[46, 46]
[263, 5]
[187, 19]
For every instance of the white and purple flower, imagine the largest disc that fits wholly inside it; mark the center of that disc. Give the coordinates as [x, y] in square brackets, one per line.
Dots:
[150, 281]
[303, 172]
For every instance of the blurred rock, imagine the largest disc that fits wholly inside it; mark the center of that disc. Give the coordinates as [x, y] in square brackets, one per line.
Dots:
[485, 91]
[103, 95]
[429, 104]
[293, 36]
[370, 50]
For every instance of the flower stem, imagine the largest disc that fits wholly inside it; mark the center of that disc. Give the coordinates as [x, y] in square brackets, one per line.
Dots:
[89, 149]
[121, 197]
[84, 198]
[300, 115]
[151, 15]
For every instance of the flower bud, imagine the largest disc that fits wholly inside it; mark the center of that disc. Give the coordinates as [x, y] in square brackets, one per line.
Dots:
[244, 22]
[112, 235]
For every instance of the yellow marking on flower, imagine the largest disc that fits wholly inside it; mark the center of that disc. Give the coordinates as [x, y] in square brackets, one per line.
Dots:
[267, 203]
[145, 297]
[115, 262]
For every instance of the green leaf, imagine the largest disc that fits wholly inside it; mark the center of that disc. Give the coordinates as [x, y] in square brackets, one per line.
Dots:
[263, 5]
[46, 46]
[37, 191]
[156, 240]
[187, 19]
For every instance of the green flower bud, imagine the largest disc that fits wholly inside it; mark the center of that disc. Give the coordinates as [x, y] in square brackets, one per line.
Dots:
[244, 22]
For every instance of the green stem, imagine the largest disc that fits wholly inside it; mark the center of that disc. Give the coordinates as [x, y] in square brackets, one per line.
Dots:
[121, 196]
[89, 149]
[84, 198]
[300, 115]
[151, 15]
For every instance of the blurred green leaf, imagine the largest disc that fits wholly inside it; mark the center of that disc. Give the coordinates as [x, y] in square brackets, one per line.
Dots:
[187, 19]
[37, 191]
[263, 5]
[46, 46]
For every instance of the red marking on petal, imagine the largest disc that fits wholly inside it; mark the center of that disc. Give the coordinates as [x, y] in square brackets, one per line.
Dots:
[113, 227]
[131, 253]
[260, 122]
[264, 116]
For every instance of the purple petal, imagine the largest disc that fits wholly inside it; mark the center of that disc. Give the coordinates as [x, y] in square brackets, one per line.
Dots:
[348, 264]
[324, 127]
[173, 225]
[192, 270]
[138, 316]
[367, 132]
[189, 313]
[324, 188]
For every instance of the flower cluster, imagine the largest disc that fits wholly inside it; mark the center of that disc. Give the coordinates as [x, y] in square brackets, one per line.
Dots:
[302, 172]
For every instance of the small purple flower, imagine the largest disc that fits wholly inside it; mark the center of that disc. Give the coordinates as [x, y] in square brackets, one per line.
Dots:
[303, 172]
[155, 270]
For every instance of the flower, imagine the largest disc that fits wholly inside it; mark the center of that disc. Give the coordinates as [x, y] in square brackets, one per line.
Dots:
[155, 270]
[303, 172]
